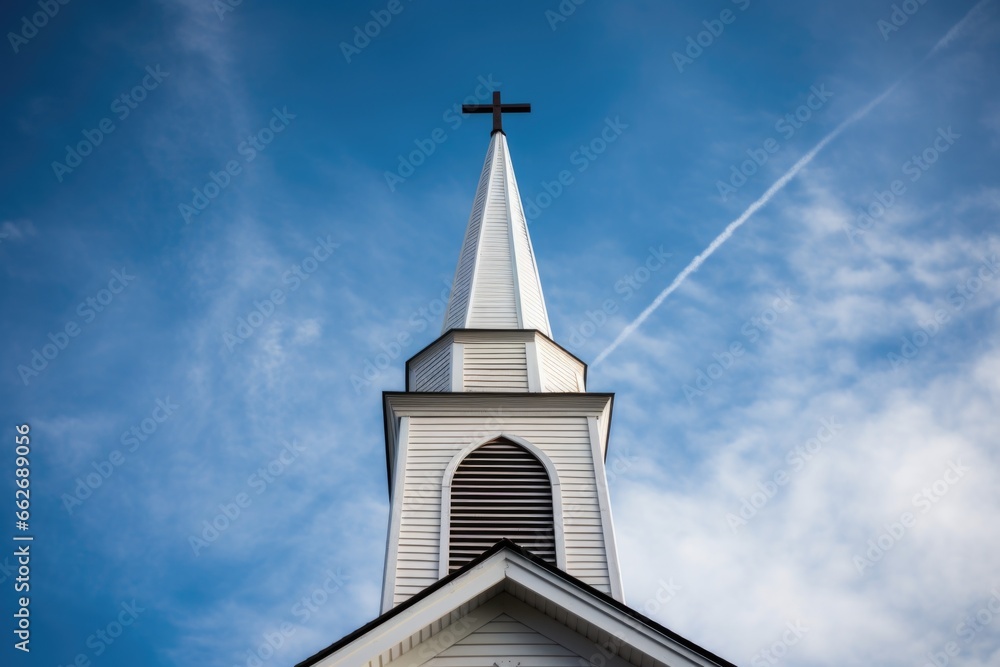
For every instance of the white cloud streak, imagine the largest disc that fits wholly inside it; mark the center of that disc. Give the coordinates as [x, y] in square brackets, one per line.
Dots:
[776, 187]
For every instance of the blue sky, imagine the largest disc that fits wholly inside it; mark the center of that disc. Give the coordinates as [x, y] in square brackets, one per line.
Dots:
[823, 379]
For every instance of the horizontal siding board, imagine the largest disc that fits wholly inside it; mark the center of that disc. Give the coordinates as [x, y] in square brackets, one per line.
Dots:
[432, 368]
[435, 439]
[561, 371]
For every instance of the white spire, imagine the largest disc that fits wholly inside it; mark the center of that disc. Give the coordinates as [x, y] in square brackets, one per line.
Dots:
[496, 283]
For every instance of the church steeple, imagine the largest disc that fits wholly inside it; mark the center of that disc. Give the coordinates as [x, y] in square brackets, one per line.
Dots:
[496, 436]
[501, 546]
[496, 283]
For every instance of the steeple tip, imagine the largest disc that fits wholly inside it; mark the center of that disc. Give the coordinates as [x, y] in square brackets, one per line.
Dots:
[496, 282]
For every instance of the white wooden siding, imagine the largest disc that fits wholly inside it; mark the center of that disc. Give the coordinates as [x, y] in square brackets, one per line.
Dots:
[505, 638]
[432, 370]
[434, 440]
[492, 304]
[461, 289]
[496, 282]
[559, 370]
[495, 366]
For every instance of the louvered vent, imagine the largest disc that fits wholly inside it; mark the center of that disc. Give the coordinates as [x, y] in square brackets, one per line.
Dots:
[500, 490]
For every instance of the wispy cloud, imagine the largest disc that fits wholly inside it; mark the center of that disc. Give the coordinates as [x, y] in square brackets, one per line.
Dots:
[776, 187]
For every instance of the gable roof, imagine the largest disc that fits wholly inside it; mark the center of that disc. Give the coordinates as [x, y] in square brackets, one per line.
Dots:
[506, 567]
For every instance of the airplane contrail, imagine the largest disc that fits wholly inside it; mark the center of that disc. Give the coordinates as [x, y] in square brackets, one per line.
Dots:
[731, 228]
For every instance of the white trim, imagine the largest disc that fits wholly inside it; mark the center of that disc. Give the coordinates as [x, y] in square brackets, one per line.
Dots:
[534, 368]
[557, 632]
[457, 366]
[449, 474]
[607, 524]
[511, 569]
[470, 622]
[395, 517]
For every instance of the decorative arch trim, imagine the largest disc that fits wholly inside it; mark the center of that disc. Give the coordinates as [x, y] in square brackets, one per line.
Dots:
[446, 489]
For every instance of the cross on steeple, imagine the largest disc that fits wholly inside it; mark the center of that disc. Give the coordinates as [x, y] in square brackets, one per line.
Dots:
[496, 109]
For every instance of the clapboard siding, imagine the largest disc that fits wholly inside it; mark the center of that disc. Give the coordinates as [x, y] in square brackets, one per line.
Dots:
[496, 282]
[505, 638]
[434, 441]
[560, 371]
[495, 360]
[458, 304]
[495, 366]
[492, 304]
[432, 370]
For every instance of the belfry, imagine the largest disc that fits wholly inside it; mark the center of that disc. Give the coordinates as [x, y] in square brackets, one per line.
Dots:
[501, 546]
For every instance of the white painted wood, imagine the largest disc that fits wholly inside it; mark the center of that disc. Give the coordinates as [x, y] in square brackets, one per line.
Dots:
[562, 372]
[496, 282]
[431, 641]
[395, 518]
[554, 481]
[461, 291]
[507, 583]
[457, 366]
[431, 370]
[593, 653]
[499, 365]
[493, 304]
[515, 259]
[610, 555]
[444, 426]
[534, 376]
[505, 638]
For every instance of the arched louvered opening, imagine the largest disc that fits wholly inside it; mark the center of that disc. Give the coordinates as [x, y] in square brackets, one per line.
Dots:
[500, 490]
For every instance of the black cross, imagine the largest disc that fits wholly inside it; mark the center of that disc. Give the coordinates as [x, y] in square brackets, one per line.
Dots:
[496, 109]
